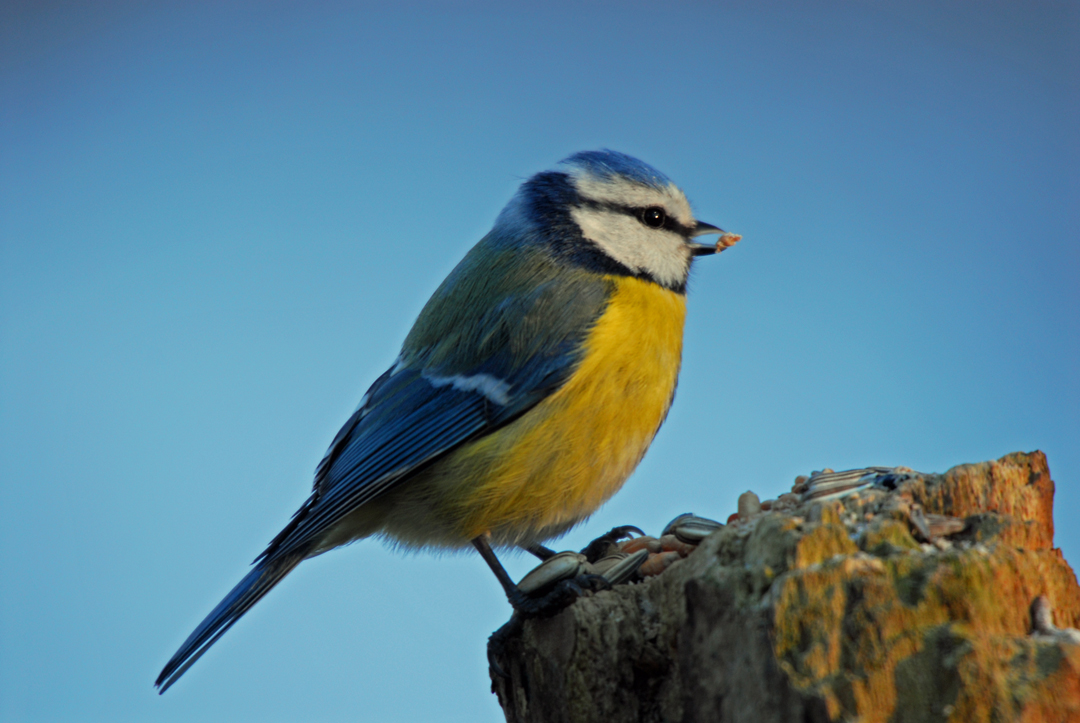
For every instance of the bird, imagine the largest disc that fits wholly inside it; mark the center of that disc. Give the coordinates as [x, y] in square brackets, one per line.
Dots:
[527, 391]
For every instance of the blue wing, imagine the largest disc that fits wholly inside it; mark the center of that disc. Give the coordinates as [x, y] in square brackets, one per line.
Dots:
[479, 356]
[517, 349]
[409, 418]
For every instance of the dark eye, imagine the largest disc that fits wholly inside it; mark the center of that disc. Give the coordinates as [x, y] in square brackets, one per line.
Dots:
[653, 217]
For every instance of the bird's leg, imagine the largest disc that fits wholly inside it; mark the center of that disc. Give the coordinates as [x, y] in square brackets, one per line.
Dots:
[556, 599]
[482, 546]
[544, 553]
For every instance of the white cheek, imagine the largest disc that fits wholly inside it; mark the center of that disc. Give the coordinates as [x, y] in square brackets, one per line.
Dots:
[659, 253]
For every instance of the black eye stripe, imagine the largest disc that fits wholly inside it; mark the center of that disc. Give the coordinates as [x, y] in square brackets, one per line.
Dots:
[670, 224]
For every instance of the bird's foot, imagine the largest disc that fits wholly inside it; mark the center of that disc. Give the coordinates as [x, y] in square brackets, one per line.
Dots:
[558, 597]
[679, 538]
[564, 577]
[609, 542]
[615, 557]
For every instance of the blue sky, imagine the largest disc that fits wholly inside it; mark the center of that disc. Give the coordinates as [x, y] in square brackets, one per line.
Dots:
[218, 220]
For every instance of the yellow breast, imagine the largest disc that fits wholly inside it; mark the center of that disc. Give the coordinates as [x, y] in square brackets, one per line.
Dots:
[559, 462]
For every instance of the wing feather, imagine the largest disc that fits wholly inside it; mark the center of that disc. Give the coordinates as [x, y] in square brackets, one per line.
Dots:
[422, 407]
[481, 354]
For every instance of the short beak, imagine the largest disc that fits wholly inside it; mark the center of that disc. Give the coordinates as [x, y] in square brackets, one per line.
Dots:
[726, 239]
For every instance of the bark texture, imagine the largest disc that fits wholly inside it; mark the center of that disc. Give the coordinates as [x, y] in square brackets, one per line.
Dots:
[828, 611]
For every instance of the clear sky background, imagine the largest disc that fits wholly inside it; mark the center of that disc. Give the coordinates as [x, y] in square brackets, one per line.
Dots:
[218, 221]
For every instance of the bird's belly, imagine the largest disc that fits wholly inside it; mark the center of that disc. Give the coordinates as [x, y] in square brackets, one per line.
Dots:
[555, 465]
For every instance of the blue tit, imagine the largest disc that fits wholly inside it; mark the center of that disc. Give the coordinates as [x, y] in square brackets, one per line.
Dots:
[525, 394]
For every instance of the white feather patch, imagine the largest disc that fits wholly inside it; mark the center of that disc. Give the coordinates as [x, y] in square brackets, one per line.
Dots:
[492, 388]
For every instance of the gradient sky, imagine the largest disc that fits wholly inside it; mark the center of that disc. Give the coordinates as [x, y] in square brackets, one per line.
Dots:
[218, 221]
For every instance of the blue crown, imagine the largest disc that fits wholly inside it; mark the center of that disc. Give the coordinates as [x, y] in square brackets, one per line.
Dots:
[606, 164]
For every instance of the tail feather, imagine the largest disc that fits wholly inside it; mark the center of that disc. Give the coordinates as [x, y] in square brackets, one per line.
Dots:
[249, 591]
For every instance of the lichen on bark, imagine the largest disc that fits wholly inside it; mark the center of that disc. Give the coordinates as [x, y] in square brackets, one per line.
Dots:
[828, 611]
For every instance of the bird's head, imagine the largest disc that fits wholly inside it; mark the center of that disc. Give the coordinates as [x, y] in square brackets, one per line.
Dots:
[612, 213]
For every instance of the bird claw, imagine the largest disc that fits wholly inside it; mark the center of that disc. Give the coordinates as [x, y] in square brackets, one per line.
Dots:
[602, 546]
[559, 597]
[563, 577]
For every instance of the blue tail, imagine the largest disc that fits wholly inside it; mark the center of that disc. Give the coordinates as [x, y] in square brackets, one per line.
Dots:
[249, 591]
